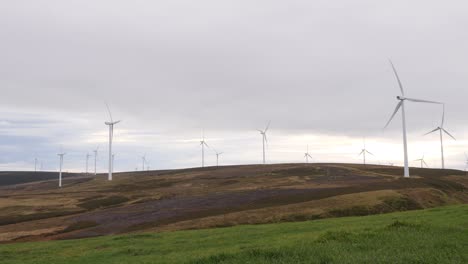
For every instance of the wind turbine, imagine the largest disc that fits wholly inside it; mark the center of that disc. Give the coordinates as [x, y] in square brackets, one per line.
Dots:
[87, 162]
[217, 157]
[307, 155]
[111, 134]
[203, 144]
[441, 130]
[264, 139]
[401, 104]
[35, 164]
[60, 171]
[364, 151]
[143, 159]
[423, 162]
[95, 159]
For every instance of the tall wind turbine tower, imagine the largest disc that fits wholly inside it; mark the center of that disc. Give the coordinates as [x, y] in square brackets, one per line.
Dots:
[442, 130]
[143, 160]
[401, 104]
[87, 162]
[111, 134]
[35, 164]
[264, 139]
[203, 144]
[364, 151]
[95, 159]
[217, 157]
[113, 159]
[60, 168]
[307, 155]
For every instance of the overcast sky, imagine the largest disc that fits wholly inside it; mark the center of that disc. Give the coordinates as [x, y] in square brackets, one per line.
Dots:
[318, 70]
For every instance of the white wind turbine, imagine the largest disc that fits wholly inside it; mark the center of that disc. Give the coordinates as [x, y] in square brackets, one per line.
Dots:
[401, 104]
[423, 162]
[364, 151]
[87, 162]
[95, 159]
[203, 144]
[111, 134]
[217, 157]
[307, 155]
[60, 167]
[264, 139]
[35, 164]
[442, 130]
[143, 160]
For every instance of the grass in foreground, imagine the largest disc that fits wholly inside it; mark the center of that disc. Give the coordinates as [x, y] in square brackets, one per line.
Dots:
[438, 235]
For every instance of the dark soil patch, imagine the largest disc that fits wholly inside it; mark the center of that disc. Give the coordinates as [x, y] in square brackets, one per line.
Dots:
[103, 202]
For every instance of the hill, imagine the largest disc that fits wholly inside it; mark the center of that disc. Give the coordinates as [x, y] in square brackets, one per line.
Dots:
[217, 197]
[436, 235]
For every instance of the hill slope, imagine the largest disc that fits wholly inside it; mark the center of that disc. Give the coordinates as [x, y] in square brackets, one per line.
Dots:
[214, 197]
[436, 235]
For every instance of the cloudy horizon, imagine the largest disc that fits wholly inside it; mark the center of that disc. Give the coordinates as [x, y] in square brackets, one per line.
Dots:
[319, 71]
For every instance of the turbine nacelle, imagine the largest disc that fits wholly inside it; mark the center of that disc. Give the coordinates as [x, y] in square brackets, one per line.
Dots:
[112, 123]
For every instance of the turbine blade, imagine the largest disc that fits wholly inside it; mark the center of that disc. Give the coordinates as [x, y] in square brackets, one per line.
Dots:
[398, 78]
[422, 101]
[425, 163]
[394, 113]
[370, 153]
[432, 131]
[446, 132]
[108, 110]
[361, 153]
[268, 126]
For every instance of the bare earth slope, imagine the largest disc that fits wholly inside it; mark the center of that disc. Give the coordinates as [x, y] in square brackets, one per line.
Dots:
[210, 197]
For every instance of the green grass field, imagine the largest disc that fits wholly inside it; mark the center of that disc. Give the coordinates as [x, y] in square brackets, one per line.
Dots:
[438, 235]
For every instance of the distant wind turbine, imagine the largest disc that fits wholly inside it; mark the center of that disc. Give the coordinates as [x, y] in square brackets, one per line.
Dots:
[35, 164]
[217, 157]
[423, 162]
[87, 162]
[203, 144]
[364, 151]
[442, 130]
[111, 134]
[60, 170]
[401, 105]
[143, 160]
[307, 155]
[95, 159]
[264, 139]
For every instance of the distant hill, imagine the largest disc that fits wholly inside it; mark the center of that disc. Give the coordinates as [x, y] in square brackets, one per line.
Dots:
[209, 197]
[18, 177]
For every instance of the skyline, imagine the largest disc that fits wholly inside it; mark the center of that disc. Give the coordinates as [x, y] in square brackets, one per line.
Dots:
[170, 69]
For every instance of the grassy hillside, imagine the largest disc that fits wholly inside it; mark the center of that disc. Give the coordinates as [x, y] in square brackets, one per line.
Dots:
[18, 177]
[438, 235]
[217, 197]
